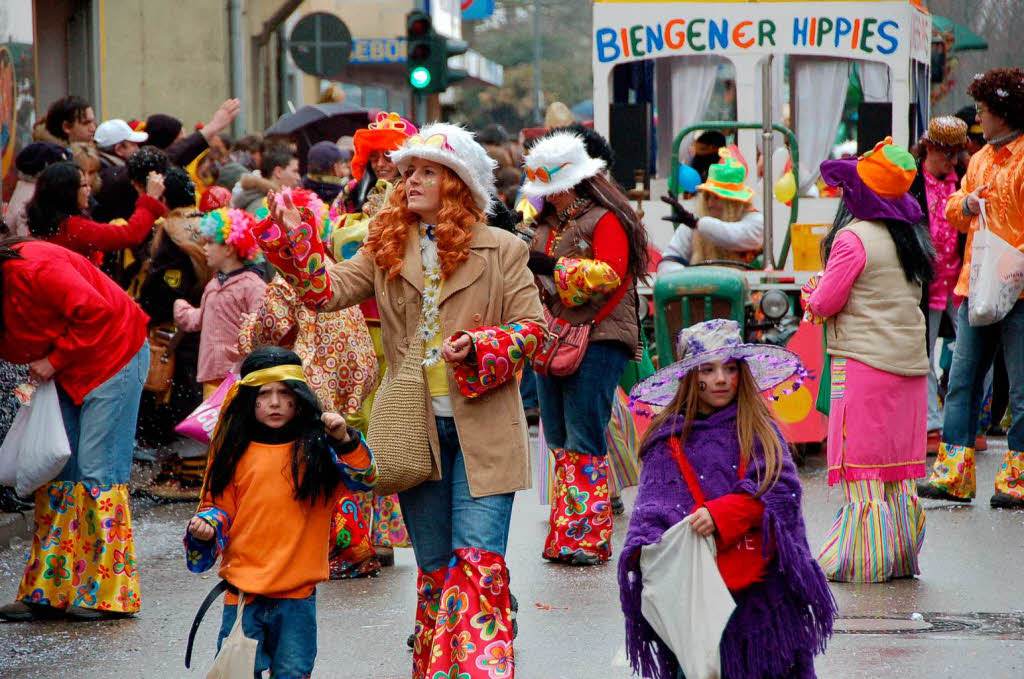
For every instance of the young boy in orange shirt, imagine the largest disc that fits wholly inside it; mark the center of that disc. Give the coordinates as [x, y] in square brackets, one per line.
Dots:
[271, 528]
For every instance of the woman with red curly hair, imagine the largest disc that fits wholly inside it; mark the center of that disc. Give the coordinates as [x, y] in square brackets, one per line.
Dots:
[438, 271]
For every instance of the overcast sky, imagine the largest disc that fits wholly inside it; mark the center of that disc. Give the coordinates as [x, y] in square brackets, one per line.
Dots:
[16, 20]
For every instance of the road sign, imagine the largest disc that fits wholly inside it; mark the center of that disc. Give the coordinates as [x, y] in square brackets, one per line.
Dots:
[320, 44]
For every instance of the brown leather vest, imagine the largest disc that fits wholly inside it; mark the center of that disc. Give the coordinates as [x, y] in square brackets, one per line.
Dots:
[577, 241]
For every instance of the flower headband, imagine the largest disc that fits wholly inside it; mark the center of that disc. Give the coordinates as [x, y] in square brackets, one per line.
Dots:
[231, 226]
[389, 121]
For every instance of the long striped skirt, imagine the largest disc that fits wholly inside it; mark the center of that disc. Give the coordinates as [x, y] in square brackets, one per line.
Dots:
[877, 534]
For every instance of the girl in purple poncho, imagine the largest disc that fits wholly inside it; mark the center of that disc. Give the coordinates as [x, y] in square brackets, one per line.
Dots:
[715, 452]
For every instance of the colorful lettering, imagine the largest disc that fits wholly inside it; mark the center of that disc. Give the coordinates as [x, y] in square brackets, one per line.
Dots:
[739, 35]
[625, 42]
[675, 40]
[800, 31]
[867, 33]
[766, 32]
[891, 39]
[856, 34]
[718, 32]
[607, 50]
[693, 33]
[812, 34]
[634, 40]
[825, 26]
[655, 39]
[843, 28]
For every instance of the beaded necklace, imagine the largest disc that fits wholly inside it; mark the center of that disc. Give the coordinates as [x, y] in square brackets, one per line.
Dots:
[567, 220]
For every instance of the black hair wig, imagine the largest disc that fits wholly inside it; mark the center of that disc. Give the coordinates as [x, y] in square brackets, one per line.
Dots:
[314, 474]
[55, 199]
[913, 245]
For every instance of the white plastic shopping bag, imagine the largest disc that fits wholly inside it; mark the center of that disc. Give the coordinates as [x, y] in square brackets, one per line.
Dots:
[685, 600]
[36, 447]
[237, 656]
[997, 276]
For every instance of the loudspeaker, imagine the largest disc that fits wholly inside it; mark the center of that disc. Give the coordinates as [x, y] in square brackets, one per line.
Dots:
[874, 123]
[630, 138]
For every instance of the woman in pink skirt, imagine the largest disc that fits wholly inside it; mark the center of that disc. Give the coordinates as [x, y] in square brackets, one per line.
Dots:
[877, 259]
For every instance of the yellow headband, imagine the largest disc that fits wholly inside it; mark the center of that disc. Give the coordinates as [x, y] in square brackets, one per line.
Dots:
[257, 378]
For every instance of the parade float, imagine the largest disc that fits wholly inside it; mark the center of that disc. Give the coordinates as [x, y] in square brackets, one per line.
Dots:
[790, 65]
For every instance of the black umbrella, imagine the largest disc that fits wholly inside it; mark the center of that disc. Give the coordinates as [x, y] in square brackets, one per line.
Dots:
[319, 122]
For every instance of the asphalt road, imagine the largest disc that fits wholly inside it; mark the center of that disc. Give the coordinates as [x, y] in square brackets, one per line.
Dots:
[964, 617]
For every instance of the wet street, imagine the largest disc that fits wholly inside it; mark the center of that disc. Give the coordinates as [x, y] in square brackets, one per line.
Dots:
[964, 617]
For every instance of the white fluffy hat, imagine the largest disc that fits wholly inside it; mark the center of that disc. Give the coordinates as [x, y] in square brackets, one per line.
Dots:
[455, 148]
[557, 163]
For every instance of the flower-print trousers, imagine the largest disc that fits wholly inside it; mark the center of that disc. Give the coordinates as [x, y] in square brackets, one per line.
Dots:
[83, 551]
[581, 515]
[463, 612]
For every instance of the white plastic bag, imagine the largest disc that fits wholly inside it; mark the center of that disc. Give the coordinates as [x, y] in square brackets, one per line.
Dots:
[36, 447]
[997, 276]
[237, 656]
[685, 600]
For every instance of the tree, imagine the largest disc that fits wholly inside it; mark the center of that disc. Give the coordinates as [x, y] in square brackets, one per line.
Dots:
[507, 38]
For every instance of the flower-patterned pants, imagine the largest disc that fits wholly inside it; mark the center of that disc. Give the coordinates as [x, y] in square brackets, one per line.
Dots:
[351, 555]
[580, 524]
[83, 552]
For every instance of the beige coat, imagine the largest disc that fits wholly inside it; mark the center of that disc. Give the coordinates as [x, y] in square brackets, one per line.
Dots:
[493, 287]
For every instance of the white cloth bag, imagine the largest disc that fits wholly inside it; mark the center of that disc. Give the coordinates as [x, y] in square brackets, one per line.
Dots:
[997, 276]
[237, 656]
[36, 447]
[685, 599]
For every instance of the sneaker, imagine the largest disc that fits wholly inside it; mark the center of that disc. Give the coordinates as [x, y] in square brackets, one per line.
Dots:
[980, 443]
[1002, 500]
[927, 490]
[79, 614]
[514, 614]
[386, 556]
[411, 641]
[584, 559]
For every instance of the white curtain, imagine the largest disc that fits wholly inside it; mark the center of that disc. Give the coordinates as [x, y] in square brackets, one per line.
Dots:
[820, 94]
[684, 87]
[874, 81]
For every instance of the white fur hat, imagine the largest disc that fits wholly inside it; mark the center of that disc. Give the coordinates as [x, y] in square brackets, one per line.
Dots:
[455, 148]
[557, 163]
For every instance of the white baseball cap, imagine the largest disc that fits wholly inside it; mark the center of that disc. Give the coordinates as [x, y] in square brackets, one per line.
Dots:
[115, 131]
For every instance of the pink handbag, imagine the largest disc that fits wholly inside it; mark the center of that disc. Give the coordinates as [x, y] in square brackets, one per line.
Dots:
[203, 420]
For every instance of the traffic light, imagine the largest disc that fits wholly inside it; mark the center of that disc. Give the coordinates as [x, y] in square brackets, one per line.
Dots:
[427, 55]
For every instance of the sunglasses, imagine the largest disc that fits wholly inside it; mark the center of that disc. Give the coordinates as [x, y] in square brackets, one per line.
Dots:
[543, 174]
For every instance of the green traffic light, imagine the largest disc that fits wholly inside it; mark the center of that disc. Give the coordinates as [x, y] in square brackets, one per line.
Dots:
[420, 77]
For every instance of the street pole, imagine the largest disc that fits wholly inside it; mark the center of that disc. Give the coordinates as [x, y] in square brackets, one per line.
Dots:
[537, 119]
[419, 107]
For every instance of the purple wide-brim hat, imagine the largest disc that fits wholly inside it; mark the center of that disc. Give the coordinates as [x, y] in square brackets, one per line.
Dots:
[861, 201]
[718, 341]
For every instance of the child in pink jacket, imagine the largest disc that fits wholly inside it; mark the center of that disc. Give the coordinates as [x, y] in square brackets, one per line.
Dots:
[236, 289]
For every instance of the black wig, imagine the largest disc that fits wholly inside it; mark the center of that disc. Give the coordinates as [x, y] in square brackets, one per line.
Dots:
[314, 473]
[55, 199]
[913, 245]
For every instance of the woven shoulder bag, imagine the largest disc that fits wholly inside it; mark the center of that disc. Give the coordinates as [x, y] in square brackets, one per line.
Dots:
[397, 434]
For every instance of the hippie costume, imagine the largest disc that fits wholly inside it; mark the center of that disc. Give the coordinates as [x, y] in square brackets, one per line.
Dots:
[784, 610]
[458, 520]
[586, 283]
[272, 545]
[738, 235]
[876, 338]
[58, 305]
[1000, 166]
[340, 366]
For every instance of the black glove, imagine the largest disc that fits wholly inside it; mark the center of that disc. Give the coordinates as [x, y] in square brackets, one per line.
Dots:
[680, 215]
[541, 264]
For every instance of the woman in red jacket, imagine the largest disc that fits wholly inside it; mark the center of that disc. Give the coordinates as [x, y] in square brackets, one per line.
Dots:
[58, 213]
[70, 323]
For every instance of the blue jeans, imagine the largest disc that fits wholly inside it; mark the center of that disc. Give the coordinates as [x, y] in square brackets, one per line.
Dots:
[285, 630]
[972, 357]
[101, 431]
[575, 410]
[528, 387]
[442, 516]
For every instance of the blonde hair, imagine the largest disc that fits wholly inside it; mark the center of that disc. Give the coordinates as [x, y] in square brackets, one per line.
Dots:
[85, 153]
[732, 210]
[754, 423]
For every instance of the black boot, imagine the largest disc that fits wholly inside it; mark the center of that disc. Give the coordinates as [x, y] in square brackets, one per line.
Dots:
[10, 502]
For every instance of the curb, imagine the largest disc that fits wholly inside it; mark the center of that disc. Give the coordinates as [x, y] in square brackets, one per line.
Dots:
[15, 524]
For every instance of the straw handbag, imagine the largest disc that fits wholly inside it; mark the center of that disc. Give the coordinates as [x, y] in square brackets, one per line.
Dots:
[398, 425]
